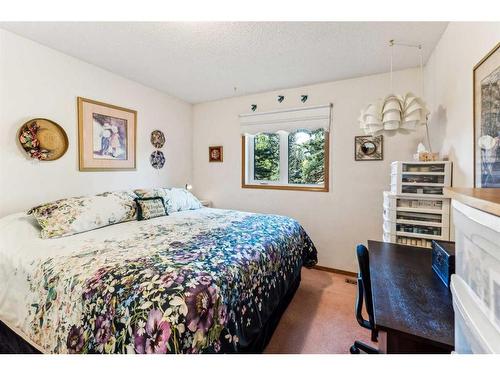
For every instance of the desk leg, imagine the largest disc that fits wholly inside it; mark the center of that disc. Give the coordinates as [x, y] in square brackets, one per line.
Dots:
[393, 342]
[382, 342]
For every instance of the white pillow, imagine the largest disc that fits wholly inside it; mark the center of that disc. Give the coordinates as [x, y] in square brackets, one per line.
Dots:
[180, 200]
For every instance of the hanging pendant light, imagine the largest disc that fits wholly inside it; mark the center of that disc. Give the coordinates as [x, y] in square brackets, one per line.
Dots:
[395, 113]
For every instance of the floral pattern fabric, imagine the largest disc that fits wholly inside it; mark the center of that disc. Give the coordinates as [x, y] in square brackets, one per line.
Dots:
[191, 286]
[69, 216]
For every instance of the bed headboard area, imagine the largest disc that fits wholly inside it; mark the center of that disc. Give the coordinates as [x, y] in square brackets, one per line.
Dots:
[46, 84]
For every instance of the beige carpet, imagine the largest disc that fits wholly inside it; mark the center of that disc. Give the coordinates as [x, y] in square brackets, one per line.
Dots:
[320, 318]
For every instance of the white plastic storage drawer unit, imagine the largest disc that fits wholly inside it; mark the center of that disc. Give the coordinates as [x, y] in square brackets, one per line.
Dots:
[420, 178]
[476, 284]
[415, 221]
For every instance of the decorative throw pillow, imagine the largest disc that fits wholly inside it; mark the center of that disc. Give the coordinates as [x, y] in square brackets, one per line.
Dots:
[181, 200]
[149, 208]
[175, 199]
[151, 193]
[69, 216]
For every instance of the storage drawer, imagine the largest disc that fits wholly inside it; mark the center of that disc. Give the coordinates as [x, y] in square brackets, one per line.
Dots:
[474, 331]
[418, 190]
[415, 217]
[417, 230]
[405, 240]
[401, 167]
[477, 237]
[424, 204]
[407, 178]
[420, 178]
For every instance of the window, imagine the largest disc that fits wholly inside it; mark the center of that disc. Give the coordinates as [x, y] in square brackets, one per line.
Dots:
[296, 160]
[266, 160]
[306, 157]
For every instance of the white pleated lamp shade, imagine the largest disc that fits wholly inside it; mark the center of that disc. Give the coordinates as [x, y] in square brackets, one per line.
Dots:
[392, 103]
[391, 113]
[415, 112]
[374, 110]
[394, 113]
[371, 118]
[374, 128]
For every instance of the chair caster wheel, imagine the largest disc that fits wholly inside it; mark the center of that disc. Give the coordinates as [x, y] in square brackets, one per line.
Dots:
[354, 350]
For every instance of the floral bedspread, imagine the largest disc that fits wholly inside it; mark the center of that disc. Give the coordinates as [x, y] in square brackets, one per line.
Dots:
[198, 285]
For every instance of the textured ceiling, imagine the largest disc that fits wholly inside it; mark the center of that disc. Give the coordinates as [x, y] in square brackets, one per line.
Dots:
[198, 61]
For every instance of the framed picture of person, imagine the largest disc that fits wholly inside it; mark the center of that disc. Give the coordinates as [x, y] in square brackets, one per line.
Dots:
[487, 120]
[106, 136]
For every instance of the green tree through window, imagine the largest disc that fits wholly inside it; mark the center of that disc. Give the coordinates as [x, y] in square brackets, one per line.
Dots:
[306, 157]
[267, 157]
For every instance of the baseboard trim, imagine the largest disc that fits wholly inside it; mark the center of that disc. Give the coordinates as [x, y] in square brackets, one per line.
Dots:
[335, 270]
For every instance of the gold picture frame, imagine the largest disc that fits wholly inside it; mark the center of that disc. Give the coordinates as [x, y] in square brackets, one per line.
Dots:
[486, 138]
[106, 136]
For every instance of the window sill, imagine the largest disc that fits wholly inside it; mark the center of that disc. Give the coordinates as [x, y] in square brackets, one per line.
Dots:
[323, 189]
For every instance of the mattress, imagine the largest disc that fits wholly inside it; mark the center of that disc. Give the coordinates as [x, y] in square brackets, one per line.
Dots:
[199, 281]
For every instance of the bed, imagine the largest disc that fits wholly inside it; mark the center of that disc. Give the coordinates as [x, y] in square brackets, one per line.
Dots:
[196, 281]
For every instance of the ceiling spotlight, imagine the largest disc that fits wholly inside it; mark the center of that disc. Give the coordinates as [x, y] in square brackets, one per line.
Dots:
[303, 98]
[253, 107]
[280, 98]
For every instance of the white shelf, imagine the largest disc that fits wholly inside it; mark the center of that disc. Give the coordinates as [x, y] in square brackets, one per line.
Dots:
[424, 173]
[421, 162]
[439, 184]
[422, 210]
[419, 222]
[420, 235]
[418, 196]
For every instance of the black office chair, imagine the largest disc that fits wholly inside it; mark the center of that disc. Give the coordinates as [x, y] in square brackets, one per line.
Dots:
[364, 290]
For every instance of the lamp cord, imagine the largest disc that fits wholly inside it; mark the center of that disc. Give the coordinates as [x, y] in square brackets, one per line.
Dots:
[422, 95]
[391, 44]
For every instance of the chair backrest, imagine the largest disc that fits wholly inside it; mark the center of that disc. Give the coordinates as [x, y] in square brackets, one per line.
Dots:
[364, 288]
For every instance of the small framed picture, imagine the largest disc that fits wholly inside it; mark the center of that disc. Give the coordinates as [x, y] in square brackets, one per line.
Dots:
[215, 154]
[106, 136]
[368, 147]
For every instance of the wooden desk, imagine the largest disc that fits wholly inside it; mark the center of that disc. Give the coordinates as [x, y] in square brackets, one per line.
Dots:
[412, 307]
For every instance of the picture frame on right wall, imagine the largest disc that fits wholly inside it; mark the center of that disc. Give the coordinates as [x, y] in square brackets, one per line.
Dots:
[486, 82]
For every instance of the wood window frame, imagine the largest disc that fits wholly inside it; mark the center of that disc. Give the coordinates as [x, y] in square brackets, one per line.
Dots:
[324, 188]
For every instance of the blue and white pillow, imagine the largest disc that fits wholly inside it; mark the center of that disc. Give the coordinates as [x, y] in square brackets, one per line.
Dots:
[181, 200]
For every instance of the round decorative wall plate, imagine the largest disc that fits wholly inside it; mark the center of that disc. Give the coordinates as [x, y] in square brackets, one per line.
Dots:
[157, 159]
[157, 138]
[43, 139]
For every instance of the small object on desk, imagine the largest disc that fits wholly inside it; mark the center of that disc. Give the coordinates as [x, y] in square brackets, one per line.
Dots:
[206, 203]
[443, 260]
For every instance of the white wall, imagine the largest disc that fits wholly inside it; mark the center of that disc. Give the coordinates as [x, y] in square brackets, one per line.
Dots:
[449, 95]
[36, 81]
[336, 221]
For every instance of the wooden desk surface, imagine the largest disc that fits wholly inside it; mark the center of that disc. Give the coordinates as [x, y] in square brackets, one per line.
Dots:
[407, 296]
[484, 199]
